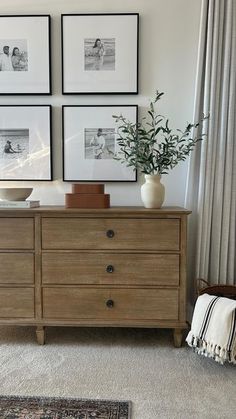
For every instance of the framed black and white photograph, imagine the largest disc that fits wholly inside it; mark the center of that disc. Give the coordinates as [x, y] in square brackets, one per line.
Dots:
[100, 53]
[90, 143]
[25, 142]
[25, 63]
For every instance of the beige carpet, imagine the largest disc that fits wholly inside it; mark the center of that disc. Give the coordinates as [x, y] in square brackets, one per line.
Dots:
[131, 364]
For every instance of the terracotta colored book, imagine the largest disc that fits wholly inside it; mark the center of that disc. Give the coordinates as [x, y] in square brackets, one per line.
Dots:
[85, 200]
[88, 189]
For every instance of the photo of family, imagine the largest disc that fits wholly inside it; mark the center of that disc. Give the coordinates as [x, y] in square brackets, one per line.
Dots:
[13, 55]
[14, 144]
[99, 54]
[99, 143]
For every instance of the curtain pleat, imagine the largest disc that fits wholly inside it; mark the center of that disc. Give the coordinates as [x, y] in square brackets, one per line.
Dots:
[211, 186]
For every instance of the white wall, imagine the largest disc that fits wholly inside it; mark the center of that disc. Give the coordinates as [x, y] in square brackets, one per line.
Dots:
[168, 56]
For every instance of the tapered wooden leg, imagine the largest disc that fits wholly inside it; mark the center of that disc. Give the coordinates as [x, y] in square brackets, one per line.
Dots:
[178, 336]
[40, 334]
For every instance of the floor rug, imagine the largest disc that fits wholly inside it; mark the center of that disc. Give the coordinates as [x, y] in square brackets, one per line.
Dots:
[12, 407]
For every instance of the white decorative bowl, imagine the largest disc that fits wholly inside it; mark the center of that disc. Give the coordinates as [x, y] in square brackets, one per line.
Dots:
[15, 194]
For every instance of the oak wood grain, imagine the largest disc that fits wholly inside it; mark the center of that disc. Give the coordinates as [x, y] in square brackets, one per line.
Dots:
[40, 335]
[38, 268]
[16, 268]
[110, 268]
[16, 302]
[16, 233]
[58, 259]
[178, 337]
[146, 323]
[113, 211]
[183, 274]
[76, 303]
[74, 233]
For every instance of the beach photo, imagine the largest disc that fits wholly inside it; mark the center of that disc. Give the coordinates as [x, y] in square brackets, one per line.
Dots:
[13, 55]
[14, 144]
[25, 142]
[99, 54]
[99, 143]
[90, 144]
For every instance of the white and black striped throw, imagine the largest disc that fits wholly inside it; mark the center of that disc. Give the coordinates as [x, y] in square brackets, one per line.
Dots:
[213, 329]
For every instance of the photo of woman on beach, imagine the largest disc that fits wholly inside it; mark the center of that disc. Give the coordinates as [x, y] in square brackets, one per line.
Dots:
[99, 54]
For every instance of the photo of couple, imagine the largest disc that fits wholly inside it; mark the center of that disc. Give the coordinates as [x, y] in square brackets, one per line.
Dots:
[13, 55]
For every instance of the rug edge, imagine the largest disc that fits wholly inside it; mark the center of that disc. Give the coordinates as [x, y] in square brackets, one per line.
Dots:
[53, 398]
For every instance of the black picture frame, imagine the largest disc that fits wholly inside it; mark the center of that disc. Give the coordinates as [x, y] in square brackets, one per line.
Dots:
[122, 77]
[31, 129]
[74, 126]
[39, 59]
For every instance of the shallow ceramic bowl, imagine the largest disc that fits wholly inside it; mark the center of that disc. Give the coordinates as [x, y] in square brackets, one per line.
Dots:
[15, 194]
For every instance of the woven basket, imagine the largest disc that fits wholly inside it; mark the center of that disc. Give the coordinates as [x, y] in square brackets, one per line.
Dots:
[228, 291]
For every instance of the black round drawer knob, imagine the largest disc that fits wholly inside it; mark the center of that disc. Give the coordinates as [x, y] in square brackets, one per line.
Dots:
[110, 303]
[110, 269]
[110, 234]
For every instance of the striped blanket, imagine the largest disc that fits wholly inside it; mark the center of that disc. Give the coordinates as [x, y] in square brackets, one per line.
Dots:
[213, 330]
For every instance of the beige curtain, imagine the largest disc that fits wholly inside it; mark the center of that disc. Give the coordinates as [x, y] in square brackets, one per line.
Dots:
[211, 188]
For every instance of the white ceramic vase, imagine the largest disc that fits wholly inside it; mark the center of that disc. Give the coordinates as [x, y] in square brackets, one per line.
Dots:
[152, 191]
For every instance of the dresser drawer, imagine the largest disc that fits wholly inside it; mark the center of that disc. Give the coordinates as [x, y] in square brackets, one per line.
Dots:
[83, 303]
[138, 234]
[16, 302]
[110, 268]
[16, 233]
[16, 268]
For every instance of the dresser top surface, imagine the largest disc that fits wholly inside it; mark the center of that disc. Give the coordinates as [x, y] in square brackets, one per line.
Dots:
[118, 210]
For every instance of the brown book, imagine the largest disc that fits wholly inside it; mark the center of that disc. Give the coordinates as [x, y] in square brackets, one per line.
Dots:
[76, 200]
[88, 189]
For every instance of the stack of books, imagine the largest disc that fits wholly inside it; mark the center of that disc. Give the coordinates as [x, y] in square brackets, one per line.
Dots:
[19, 204]
[87, 196]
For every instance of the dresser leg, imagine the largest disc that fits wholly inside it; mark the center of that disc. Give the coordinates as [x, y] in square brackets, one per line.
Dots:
[178, 336]
[40, 334]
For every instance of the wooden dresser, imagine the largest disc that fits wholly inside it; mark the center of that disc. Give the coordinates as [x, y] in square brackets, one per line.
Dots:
[119, 267]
